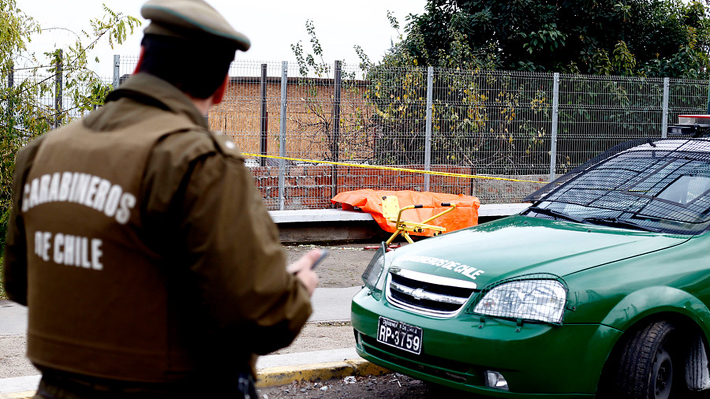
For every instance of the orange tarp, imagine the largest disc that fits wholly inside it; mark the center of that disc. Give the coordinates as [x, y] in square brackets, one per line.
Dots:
[370, 201]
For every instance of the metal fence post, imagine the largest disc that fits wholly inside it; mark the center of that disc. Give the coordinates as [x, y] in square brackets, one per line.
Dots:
[664, 122]
[116, 71]
[335, 149]
[11, 75]
[264, 118]
[429, 108]
[10, 84]
[553, 138]
[58, 94]
[282, 138]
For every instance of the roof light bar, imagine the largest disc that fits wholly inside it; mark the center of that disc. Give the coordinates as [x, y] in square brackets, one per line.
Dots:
[691, 125]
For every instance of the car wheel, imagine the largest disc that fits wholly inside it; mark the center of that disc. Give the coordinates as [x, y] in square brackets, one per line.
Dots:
[651, 364]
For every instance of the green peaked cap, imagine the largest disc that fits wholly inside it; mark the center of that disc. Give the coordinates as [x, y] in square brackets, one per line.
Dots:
[192, 20]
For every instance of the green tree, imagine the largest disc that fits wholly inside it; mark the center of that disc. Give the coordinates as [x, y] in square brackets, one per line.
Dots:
[475, 112]
[485, 110]
[390, 127]
[22, 114]
[490, 114]
[610, 37]
[316, 122]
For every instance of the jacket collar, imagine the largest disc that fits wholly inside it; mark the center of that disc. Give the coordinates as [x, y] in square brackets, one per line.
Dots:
[152, 90]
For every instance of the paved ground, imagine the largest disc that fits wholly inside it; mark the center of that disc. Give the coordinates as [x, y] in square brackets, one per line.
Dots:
[327, 337]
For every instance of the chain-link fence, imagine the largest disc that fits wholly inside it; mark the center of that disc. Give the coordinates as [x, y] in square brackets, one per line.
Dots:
[343, 131]
[43, 89]
[43, 92]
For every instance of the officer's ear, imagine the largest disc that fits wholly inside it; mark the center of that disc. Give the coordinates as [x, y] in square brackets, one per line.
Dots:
[140, 60]
[219, 94]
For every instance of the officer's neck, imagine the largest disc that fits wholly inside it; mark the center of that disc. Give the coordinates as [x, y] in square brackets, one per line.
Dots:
[203, 104]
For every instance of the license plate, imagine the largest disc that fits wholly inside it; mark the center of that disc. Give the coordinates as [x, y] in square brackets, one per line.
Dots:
[400, 335]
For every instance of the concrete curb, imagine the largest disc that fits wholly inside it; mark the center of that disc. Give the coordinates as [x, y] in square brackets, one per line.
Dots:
[283, 375]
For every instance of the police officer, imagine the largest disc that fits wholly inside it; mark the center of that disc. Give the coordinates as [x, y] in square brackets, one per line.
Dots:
[138, 240]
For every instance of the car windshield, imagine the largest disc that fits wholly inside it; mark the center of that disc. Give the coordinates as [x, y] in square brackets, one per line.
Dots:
[661, 186]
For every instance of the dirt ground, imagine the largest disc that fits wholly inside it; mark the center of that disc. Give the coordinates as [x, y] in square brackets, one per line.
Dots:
[13, 362]
[389, 386]
[343, 266]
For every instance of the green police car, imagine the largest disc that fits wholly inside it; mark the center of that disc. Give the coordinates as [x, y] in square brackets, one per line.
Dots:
[600, 288]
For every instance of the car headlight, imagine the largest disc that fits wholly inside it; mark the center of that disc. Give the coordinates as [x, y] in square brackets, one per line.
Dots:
[526, 299]
[371, 276]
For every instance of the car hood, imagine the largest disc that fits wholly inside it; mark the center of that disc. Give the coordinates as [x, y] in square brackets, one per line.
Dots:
[522, 245]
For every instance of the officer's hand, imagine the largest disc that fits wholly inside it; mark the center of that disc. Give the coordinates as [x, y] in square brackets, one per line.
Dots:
[302, 269]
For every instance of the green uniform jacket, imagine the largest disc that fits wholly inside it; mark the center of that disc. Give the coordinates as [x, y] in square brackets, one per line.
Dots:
[142, 248]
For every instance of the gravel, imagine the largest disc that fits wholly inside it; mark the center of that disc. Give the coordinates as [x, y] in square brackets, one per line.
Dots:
[390, 386]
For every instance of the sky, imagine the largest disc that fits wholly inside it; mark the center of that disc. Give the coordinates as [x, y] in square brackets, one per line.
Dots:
[271, 25]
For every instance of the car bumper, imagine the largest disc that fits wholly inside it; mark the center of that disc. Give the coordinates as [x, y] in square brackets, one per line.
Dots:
[535, 359]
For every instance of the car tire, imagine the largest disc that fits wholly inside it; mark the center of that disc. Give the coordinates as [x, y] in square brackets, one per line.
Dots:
[651, 364]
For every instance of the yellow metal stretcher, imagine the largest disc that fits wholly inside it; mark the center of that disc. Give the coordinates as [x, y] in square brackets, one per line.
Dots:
[393, 213]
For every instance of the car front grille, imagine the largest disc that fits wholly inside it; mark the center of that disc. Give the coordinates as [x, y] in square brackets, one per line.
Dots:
[426, 293]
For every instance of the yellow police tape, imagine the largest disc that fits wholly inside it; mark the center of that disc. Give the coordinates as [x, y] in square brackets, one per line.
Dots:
[426, 172]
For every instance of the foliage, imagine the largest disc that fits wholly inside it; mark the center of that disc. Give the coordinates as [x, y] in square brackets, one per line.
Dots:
[610, 37]
[485, 120]
[499, 122]
[23, 115]
[474, 111]
[317, 123]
